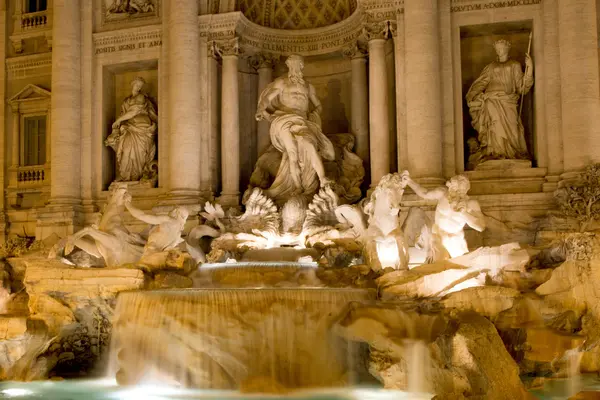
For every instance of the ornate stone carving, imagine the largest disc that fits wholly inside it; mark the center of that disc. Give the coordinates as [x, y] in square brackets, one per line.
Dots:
[264, 60]
[29, 66]
[108, 239]
[121, 9]
[579, 246]
[378, 30]
[133, 137]
[355, 50]
[493, 101]
[580, 199]
[229, 47]
[446, 238]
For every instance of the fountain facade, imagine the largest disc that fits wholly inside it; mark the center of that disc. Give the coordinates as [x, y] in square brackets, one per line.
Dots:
[277, 196]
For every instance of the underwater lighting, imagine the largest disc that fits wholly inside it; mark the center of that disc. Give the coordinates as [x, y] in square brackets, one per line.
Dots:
[16, 392]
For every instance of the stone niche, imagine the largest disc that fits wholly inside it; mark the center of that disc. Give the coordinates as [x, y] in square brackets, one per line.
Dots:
[477, 51]
[117, 86]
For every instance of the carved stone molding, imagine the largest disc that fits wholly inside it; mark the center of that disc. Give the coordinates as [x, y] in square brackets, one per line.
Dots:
[355, 50]
[579, 246]
[212, 51]
[228, 47]
[477, 5]
[263, 60]
[29, 66]
[218, 26]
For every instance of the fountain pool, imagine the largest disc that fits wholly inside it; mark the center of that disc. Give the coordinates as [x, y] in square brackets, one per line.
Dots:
[108, 389]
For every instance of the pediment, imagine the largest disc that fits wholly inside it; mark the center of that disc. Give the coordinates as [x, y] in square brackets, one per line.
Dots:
[30, 92]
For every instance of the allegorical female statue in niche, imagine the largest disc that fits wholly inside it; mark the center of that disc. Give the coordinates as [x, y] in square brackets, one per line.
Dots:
[133, 136]
[493, 101]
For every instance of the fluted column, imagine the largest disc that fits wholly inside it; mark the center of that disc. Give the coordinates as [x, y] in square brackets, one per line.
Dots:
[423, 94]
[184, 101]
[580, 93]
[65, 186]
[15, 135]
[263, 63]
[230, 124]
[359, 101]
[379, 124]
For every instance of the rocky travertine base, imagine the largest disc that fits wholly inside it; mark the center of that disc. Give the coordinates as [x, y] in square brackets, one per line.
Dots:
[58, 319]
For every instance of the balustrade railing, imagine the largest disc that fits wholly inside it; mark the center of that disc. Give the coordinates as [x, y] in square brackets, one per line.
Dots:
[31, 174]
[34, 20]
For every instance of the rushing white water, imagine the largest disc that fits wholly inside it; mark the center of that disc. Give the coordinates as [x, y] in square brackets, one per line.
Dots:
[253, 339]
[418, 364]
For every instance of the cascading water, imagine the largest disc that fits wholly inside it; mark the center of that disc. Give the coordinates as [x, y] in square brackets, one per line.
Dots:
[253, 339]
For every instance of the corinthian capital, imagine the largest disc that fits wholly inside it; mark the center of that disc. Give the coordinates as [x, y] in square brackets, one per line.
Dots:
[355, 50]
[263, 60]
[229, 47]
[378, 30]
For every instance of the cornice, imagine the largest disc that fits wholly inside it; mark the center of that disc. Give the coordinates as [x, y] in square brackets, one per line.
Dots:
[29, 66]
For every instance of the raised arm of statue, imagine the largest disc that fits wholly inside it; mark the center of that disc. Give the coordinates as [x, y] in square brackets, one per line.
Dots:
[142, 216]
[524, 81]
[317, 108]
[432, 194]
[474, 217]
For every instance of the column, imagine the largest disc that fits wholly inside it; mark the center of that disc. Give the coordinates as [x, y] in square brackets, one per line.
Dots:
[263, 63]
[379, 124]
[15, 136]
[65, 184]
[552, 93]
[423, 94]
[184, 101]
[214, 125]
[230, 124]
[359, 101]
[580, 93]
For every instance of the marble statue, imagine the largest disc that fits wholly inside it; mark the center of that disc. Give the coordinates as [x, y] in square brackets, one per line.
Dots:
[291, 106]
[166, 230]
[109, 238]
[453, 211]
[133, 137]
[493, 101]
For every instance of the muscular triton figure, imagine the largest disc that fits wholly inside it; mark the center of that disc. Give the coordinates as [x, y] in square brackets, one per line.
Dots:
[454, 210]
[291, 105]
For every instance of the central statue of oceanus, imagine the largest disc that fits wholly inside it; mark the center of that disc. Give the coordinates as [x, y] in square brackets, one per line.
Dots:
[301, 158]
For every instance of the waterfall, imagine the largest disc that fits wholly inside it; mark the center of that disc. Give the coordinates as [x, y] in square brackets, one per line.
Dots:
[255, 339]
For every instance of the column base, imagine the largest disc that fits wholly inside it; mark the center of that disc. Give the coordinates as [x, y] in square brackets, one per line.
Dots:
[60, 217]
[229, 200]
[551, 183]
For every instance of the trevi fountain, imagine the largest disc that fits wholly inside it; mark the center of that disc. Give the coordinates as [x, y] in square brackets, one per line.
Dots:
[309, 199]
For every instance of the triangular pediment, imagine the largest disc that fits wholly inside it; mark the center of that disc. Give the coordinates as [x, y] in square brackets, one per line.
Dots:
[30, 92]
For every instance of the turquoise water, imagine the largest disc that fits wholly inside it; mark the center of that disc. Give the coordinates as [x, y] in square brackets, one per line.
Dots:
[108, 390]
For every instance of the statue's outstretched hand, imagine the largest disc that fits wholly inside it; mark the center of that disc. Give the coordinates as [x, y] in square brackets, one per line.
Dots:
[528, 62]
[262, 116]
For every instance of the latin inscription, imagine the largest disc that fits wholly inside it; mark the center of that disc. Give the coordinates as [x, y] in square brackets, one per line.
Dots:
[268, 44]
[129, 46]
[494, 4]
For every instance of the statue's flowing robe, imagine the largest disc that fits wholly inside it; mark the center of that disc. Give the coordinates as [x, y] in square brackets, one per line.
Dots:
[305, 131]
[494, 113]
[135, 147]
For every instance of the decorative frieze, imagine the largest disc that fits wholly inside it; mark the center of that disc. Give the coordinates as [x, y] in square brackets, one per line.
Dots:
[219, 26]
[29, 66]
[119, 12]
[128, 39]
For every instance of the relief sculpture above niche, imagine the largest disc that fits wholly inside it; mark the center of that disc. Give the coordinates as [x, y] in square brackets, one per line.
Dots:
[118, 10]
[133, 138]
[498, 112]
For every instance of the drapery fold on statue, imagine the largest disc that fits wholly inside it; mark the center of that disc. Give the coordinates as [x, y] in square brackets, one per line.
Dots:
[493, 101]
[133, 141]
[304, 131]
